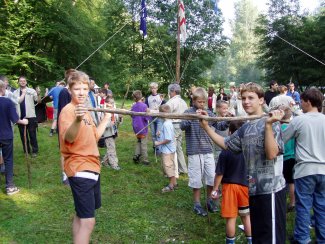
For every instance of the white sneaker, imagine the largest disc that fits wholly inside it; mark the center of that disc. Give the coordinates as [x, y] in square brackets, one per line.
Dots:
[12, 190]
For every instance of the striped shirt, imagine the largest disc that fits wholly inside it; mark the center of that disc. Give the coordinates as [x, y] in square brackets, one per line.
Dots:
[197, 140]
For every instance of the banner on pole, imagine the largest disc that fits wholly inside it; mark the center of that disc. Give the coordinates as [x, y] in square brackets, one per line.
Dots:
[143, 19]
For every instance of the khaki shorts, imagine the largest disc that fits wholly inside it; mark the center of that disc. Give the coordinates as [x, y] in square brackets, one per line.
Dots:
[201, 168]
[168, 161]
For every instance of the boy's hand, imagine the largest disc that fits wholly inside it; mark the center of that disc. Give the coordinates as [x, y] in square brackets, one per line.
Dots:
[203, 123]
[156, 143]
[274, 116]
[80, 111]
[214, 195]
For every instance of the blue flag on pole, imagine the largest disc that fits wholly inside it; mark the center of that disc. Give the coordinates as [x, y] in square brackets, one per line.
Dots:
[215, 5]
[143, 19]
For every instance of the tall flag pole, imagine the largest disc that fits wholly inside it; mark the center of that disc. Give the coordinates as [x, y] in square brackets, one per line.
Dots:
[215, 5]
[182, 20]
[181, 31]
[143, 19]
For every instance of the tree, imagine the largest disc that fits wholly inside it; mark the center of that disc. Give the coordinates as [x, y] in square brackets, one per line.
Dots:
[240, 61]
[284, 62]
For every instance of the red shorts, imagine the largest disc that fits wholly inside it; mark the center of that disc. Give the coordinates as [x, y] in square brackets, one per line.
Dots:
[234, 200]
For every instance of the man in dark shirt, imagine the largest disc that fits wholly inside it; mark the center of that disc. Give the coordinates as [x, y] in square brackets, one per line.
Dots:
[273, 92]
[8, 115]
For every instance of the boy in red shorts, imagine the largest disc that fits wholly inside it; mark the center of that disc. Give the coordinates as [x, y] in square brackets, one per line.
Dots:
[231, 172]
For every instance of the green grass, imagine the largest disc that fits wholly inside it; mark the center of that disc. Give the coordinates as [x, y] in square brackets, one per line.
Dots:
[133, 208]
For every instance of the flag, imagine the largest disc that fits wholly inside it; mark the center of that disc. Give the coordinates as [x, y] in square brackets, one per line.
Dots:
[215, 5]
[143, 19]
[182, 20]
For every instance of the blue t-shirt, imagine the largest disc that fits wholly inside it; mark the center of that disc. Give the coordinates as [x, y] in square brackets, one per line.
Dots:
[167, 133]
[8, 114]
[54, 93]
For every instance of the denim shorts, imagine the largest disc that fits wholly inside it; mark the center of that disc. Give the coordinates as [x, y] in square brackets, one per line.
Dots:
[86, 195]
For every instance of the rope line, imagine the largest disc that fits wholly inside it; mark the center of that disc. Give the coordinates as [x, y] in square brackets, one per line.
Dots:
[300, 49]
[100, 46]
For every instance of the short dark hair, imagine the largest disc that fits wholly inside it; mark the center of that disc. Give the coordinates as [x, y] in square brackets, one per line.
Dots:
[235, 125]
[137, 95]
[314, 96]
[272, 83]
[103, 90]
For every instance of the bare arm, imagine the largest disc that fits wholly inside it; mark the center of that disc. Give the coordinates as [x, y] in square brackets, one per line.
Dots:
[217, 182]
[22, 121]
[158, 143]
[271, 146]
[73, 129]
[217, 139]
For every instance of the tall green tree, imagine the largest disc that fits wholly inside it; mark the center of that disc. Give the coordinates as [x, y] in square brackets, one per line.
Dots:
[240, 61]
[281, 60]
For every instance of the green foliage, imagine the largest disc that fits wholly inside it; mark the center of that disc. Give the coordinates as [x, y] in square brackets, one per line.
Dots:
[41, 39]
[284, 62]
[239, 64]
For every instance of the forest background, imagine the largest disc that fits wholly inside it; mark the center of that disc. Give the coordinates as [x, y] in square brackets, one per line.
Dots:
[42, 38]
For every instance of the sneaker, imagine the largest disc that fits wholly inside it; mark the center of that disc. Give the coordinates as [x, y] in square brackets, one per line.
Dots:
[199, 210]
[66, 182]
[103, 163]
[51, 134]
[212, 206]
[146, 162]
[167, 188]
[12, 190]
[136, 159]
[116, 167]
[34, 155]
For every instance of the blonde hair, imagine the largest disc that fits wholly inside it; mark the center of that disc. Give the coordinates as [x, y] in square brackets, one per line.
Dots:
[76, 77]
[200, 93]
[253, 87]
[164, 108]
[153, 85]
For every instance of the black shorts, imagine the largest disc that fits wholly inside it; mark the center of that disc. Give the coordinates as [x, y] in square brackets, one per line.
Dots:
[262, 211]
[288, 170]
[86, 195]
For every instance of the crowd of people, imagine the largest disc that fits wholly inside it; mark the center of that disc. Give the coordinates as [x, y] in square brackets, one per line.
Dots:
[249, 163]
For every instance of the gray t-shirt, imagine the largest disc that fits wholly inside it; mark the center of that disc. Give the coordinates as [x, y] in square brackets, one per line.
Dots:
[309, 131]
[264, 176]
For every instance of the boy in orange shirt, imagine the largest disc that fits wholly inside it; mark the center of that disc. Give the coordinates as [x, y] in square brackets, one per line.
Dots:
[78, 145]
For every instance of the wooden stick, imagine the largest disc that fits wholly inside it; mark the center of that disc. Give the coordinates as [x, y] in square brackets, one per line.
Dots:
[176, 116]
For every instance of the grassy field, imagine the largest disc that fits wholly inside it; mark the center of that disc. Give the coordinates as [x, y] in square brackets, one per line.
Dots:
[133, 208]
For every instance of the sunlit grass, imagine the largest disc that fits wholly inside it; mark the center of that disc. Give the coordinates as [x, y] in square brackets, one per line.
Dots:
[133, 208]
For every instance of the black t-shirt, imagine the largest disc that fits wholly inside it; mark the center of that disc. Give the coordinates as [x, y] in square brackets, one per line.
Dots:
[64, 99]
[22, 107]
[269, 95]
[233, 168]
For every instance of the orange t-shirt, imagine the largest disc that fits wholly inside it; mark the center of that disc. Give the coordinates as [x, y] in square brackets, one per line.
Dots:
[83, 153]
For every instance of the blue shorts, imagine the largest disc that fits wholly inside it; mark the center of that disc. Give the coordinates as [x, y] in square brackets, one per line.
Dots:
[86, 195]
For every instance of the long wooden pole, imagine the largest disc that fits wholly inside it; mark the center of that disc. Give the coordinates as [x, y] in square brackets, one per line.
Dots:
[178, 49]
[176, 116]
